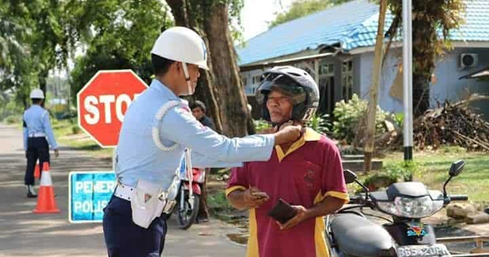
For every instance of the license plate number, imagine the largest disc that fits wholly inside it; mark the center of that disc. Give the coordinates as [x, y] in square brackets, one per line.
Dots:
[436, 250]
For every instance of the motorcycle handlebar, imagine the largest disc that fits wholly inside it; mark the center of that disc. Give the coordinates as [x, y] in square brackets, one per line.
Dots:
[459, 197]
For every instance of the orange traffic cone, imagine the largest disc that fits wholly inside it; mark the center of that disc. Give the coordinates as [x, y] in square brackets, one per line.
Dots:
[45, 197]
[37, 170]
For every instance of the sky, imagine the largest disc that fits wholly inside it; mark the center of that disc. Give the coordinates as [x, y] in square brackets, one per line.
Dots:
[256, 13]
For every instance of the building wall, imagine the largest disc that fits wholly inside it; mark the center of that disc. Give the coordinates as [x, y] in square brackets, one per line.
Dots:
[389, 71]
[448, 86]
[251, 80]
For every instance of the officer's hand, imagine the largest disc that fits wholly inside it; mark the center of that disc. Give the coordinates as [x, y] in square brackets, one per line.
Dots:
[253, 197]
[298, 218]
[56, 153]
[288, 134]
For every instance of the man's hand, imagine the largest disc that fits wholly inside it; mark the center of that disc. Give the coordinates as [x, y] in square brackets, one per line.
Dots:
[288, 134]
[56, 153]
[253, 197]
[298, 218]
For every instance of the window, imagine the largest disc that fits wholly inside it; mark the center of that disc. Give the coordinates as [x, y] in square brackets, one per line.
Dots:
[326, 69]
[244, 80]
[256, 79]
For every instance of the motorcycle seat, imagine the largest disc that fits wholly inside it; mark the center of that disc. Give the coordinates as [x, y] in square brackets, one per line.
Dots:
[359, 237]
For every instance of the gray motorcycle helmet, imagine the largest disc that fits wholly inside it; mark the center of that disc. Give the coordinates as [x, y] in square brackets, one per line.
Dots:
[294, 82]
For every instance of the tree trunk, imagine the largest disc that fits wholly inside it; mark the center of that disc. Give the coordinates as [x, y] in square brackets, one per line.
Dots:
[179, 11]
[42, 77]
[204, 91]
[235, 117]
[424, 55]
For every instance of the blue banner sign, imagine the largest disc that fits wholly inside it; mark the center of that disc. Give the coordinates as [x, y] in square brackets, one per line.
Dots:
[89, 193]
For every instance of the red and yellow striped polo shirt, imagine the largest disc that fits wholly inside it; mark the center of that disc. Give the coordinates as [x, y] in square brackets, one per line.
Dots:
[309, 171]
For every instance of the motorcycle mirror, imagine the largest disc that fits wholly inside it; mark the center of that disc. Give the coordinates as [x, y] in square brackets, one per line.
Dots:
[350, 176]
[456, 168]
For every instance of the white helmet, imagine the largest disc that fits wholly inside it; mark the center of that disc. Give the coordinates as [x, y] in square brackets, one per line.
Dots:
[182, 45]
[37, 94]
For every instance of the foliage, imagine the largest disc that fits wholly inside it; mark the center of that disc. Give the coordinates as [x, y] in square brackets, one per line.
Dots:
[123, 35]
[393, 172]
[261, 125]
[320, 123]
[348, 116]
[301, 8]
[218, 202]
[13, 119]
[17, 67]
[452, 149]
[8, 106]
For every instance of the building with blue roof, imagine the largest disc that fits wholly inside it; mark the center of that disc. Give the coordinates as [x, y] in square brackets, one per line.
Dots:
[336, 46]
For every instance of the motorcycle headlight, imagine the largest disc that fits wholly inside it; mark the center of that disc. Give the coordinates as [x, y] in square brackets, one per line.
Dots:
[408, 207]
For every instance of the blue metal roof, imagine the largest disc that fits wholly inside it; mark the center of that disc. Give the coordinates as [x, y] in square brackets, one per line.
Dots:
[353, 25]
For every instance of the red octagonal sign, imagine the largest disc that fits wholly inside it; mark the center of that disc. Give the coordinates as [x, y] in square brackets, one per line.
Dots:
[104, 100]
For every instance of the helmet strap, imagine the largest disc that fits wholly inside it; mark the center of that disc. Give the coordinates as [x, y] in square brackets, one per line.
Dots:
[187, 79]
[278, 125]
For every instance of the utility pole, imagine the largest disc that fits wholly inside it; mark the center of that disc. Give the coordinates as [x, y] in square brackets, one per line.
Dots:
[407, 66]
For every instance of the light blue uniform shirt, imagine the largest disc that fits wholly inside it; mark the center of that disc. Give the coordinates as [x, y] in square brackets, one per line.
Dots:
[36, 120]
[138, 156]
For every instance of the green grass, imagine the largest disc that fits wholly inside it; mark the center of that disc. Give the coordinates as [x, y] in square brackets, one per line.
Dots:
[433, 171]
[65, 132]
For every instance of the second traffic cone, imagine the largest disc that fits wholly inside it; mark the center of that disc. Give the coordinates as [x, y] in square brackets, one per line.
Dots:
[37, 170]
[45, 197]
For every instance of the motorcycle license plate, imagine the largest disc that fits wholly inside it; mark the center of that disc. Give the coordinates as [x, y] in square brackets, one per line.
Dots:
[436, 250]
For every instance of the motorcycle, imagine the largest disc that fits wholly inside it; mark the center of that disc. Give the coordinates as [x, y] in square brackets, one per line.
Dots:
[351, 234]
[188, 197]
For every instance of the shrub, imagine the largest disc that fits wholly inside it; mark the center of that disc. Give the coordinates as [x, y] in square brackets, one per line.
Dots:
[393, 173]
[75, 129]
[348, 116]
[261, 125]
[320, 123]
[13, 119]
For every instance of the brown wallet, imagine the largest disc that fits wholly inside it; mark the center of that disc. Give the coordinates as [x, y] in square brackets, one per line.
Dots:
[282, 211]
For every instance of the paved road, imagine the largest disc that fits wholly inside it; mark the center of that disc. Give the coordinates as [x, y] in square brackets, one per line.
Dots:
[23, 233]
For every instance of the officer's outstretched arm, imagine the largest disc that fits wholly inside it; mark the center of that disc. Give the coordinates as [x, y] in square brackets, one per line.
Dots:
[180, 126]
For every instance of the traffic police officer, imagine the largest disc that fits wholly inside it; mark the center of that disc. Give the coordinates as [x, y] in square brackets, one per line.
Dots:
[157, 129]
[37, 127]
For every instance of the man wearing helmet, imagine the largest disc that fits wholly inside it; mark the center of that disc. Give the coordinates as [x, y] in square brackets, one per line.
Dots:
[37, 127]
[158, 127]
[306, 173]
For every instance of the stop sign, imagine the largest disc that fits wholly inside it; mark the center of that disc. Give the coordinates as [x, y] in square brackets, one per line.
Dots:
[104, 100]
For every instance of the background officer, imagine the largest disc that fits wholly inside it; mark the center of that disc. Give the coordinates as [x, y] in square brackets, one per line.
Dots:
[37, 127]
[157, 129]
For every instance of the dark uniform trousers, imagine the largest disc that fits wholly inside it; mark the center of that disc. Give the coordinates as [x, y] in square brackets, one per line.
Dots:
[37, 148]
[124, 238]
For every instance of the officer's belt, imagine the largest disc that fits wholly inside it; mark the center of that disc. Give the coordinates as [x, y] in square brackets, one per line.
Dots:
[124, 192]
[37, 134]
